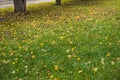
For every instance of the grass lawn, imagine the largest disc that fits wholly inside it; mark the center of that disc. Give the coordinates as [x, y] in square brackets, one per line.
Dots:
[79, 40]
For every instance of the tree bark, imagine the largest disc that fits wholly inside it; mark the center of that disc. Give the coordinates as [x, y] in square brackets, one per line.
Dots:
[19, 5]
[58, 2]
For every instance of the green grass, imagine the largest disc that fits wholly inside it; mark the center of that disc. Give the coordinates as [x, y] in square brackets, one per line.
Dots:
[79, 40]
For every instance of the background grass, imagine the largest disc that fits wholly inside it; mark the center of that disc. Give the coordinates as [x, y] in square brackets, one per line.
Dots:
[79, 40]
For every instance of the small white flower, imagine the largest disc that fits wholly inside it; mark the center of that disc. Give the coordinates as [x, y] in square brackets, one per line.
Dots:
[69, 56]
[89, 62]
[80, 71]
[26, 66]
[67, 50]
[112, 63]
[13, 72]
[70, 42]
[95, 69]
[102, 61]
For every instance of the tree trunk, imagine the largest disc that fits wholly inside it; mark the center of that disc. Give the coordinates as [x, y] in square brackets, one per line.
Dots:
[19, 5]
[58, 2]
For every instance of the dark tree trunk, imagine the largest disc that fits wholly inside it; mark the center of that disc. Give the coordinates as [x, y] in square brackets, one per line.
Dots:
[19, 5]
[58, 2]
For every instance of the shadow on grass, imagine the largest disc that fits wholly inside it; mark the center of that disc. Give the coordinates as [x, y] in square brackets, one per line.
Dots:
[84, 2]
[45, 8]
[50, 7]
